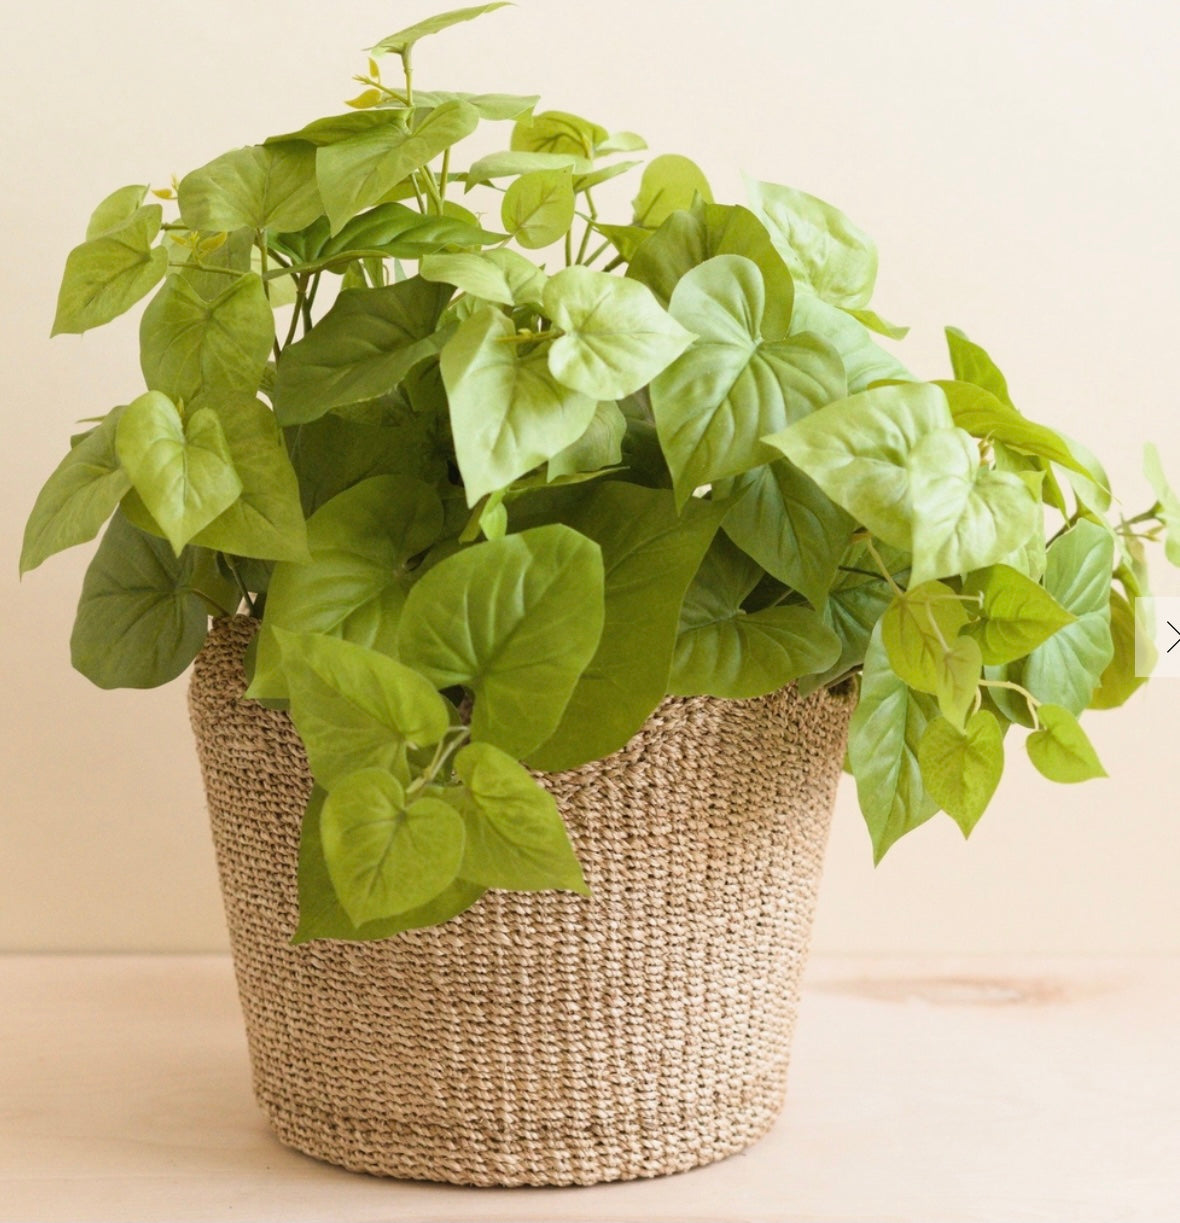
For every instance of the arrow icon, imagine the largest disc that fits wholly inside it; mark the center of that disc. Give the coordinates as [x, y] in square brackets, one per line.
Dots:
[1177, 632]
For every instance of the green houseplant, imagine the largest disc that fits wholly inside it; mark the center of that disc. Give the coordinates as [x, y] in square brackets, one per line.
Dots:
[487, 509]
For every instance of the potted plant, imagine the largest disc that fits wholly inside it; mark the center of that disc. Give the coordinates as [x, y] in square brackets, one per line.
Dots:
[548, 559]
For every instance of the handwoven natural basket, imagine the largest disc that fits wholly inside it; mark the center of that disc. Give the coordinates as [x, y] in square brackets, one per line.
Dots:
[540, 1039]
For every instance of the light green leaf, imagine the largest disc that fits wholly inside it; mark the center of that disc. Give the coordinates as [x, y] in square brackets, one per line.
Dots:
[724, 651]
[333, 129]
[717, 401]
[670, 183]
[1060, 749]
[266, 521]
[206, 352]
[971, 363]
[494, 106]
[501, 276]
[356, 582]
[355, 708]
[1065, 669]
[182, 469]
[962, 768]
[321, 914]
[557, 131]
[600, 445]
[784, 520]
[258, 187]
[650, 554]
[516, 620]
[387, 856]
[687, 239]
[874, 322]
[918, 629]
[960, 670]
[1016, 615]
[78, 497]
[538, 208]
[403, 41]
[621, 142]
[865, 361]
[508, 412]
[1119, 682]
[964, 515]
[617, 336]
[858, 451]
[602, 174]
[1169, 511]
[362, 170]
[821, 246]
[117, 209]
[510, 165]
[403, 233]
[361, 349]
[626, 239]
[110, 273]
[883, 742]
[515, 835]
[144, 613]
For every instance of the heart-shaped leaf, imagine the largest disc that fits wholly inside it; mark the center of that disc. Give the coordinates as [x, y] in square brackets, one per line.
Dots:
[258, 187]
[1060, 749]
[961, 768]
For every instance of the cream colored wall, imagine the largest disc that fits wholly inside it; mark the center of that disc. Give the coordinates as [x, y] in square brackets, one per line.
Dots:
[1018, 163]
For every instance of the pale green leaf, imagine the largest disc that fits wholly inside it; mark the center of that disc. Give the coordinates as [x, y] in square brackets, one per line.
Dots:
[717, 401]
[403, 41]
[510, 165]
[181, 468]
[962, 768]
[617, 337]
[1015, 614]
[599, 446]
[509, 413]
[403, 233]
[501, 276]
[971, 363]
[78, 497]
[670, 183]
[361, 349]
[1119, 682]
[258, 187]
[918, 629]
[1169, 502]
[1060, 749]
[557, 131]
[865, 361]
[117, 209]
[538, 208]
[108, 274]
[516, 620]
[387, 856]
[515, 835]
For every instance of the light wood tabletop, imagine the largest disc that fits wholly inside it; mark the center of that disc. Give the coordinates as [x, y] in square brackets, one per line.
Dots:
[979, 1089]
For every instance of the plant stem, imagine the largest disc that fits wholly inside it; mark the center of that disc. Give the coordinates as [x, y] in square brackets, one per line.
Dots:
[897, 590]
[589, 226]
[297, 309]
[446, 171]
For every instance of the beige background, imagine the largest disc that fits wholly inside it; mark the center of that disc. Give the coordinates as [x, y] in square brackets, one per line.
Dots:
[1017, 163]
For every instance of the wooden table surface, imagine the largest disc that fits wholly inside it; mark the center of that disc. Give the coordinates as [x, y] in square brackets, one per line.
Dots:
[921, 1090]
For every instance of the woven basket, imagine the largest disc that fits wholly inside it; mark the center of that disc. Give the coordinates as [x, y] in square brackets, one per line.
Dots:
[540, 1039]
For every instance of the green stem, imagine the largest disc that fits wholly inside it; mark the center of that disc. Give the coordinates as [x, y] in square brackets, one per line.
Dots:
[897, 590]
[569, 249]
[597, 252]
[1030, 700]
[232, 566]
[589, 226]
[297, 309]
[409, 75]
[446, 171]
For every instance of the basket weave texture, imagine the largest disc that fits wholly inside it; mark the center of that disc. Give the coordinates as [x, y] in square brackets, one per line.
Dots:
[540, 1039]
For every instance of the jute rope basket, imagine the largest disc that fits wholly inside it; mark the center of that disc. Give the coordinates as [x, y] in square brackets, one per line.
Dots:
[540, 1039]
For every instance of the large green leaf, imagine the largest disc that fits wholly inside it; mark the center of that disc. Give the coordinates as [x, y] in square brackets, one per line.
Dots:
[321, 914]
[670, 183]
[206, 352]
[821, 246]
[689, 238]
[650, 554]
[495, 106]
[600, 444]
[510, 165]
[962, 768]
[78, 497]
[965, 515]
[402, 233]
[356, 582]
[858, 451]
[515, 835]
[355, 708]
[402, 43]
[717, 401]
[1119, 681]
[1065, 669]
[786, 522]
[361, 170]
[516, 620]
[117, 209]
[266, 521]
[387, 855]
[501, 276]
[883, 744]
[1060, 749]
[917, 630]
[557, 131]
[361, 349]
[865, 361]
[1015, 614]
[144, 612]
[971, 363]
[181, 468]
[258, 187]
[109, 273]
[538, 208]
[617, 337]
[508, 412]
[724, 651]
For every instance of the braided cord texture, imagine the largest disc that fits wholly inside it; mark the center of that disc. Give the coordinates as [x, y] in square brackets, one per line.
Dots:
[543, 1038]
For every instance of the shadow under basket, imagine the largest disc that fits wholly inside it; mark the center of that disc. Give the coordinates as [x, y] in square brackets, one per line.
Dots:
[541, 1038]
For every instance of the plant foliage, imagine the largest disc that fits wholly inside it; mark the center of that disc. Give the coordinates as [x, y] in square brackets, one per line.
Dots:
[497, 475]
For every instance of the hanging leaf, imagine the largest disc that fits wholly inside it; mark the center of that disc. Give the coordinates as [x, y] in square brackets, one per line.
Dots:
[1015, 614]
[1060, 749]
[538, 208]
[258, 187]
[962, 768]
